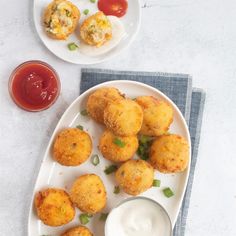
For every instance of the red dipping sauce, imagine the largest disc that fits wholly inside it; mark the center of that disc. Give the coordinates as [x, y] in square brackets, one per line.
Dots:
[34, 85]
[113, 7]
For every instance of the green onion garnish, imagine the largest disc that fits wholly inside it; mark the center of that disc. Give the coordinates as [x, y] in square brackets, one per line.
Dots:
[84, 218]
[156, 183]
[68, 13]
[116, 190]
[110, 169]
[168, 192]
[72, 46]
[119, 142]
[95, 160]
[144, 139]
[92, 1]
[86, 11]
[80, 127]
[84, 112]
[144, 145]
[103, 216]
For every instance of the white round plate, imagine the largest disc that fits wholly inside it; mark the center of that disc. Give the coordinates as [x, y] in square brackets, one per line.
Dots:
[52, 174]
[131, 22]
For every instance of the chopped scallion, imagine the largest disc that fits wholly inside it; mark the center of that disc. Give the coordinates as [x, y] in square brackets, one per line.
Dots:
[80, 127]
[86, 11]
[119, 142]
[110, 169]
[168, 192]
[84, 218]
[95, 160]
[72, 46]
[116, 190]
[84, 112]
[103, 216]
[156, 183]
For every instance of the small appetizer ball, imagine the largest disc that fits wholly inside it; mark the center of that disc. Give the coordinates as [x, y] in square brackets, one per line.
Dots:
[98, 101]
[88, 193]
[54, 207]
[123, 117]
[72, 147]
[60, 19]
[169, 153]
[135, 176]
[78, 231]
[96, 30]
[116, 148]
[157, 116]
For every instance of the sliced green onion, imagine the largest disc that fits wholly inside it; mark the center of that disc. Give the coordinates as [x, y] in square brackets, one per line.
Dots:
[86, 11]
[156, 183]
[168, 192]
[84, 112]
[84, 218]
[68, 13]
[110, 169]
[95, 160]
[103, 216]
[92, 1]
[80, 127]
[72, 46]
[119, 142]
[116, 190]
[144, 139]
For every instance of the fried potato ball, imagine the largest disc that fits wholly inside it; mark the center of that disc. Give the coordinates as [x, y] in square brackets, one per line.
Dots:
[135, 176]
[157, 116]
[60, 19]
[98, 101]
[78, 231]
[169, 153]
[88, 193]
[117, 149]
[96, 29]
[54, 207]
[72, 147]
[123, 117]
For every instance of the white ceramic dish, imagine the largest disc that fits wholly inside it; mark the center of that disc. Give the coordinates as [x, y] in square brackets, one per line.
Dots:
[131, 22]
[52, 174]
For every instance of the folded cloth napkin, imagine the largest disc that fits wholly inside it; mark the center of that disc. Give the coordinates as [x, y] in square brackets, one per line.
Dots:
[178, 87]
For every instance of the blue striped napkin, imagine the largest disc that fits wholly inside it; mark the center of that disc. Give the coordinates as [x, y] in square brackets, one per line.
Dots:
[178, 87]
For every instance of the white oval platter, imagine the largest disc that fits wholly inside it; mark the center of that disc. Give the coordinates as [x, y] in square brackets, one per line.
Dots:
[52, 174]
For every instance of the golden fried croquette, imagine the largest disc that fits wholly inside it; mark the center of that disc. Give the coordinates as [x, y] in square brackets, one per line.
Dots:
[72, 147]
[99, 99]
[169, 153]
[60, 19]
[157, 116]
[123, 117]
[54, 207]
[88, 193]
[117, 149]
[135, 176]
[78, 231]
[96, 29]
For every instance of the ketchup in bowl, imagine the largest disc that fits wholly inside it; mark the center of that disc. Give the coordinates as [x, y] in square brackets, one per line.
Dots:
[113, 7]
[34, 86]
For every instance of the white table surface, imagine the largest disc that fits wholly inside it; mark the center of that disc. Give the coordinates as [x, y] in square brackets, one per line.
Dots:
[190, 36]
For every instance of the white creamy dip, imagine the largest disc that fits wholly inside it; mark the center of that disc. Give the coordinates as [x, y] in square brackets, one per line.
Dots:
[138, 217]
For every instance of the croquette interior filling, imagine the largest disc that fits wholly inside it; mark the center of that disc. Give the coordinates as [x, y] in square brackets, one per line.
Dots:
[60, 19]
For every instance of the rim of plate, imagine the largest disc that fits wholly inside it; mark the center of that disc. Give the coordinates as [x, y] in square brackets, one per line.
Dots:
[113, 83]
[112, 55]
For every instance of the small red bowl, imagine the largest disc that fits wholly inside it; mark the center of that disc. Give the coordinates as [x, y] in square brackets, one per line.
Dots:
[34, 85]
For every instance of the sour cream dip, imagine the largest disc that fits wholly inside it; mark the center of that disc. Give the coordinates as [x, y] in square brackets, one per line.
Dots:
[138, 217]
